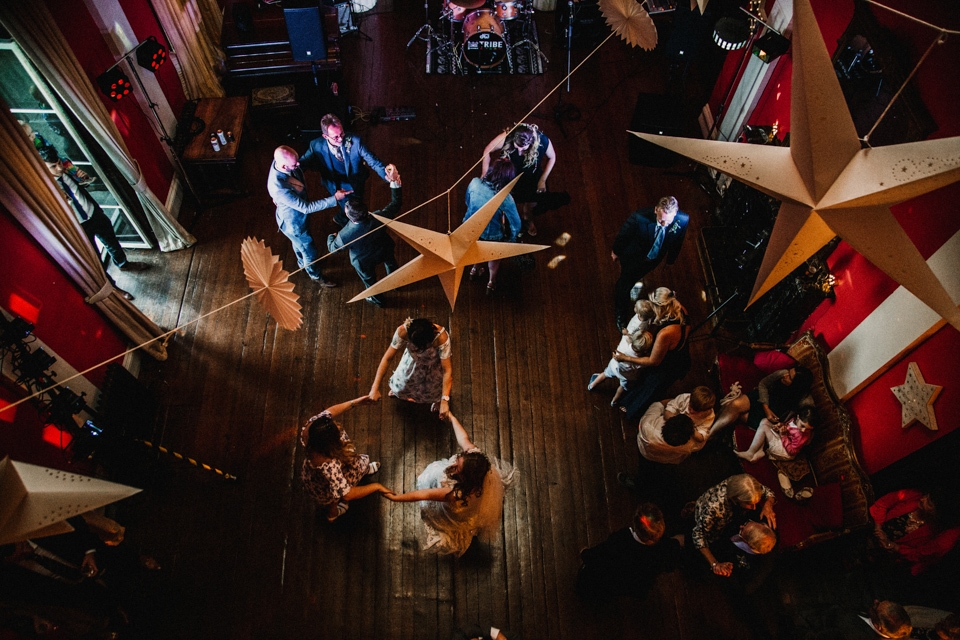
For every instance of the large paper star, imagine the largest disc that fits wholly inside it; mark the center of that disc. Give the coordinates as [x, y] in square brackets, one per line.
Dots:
[917, 398]
[829, 186]
[446, 255]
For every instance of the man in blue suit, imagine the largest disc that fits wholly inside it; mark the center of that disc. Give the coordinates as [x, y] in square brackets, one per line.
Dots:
[289, 192]
[647, 237]
[369, 243]
[340, 158]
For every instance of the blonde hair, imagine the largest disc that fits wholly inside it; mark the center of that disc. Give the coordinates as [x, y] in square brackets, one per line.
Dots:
[523, 134]
[702, 398]
[667, 306]
[641, 342]
[645, 310]
[759, 537]
[743, 488]
[668, 204]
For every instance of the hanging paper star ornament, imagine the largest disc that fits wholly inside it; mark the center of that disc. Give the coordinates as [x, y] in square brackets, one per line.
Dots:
[446, 255]
[917, 398]
[828, 185]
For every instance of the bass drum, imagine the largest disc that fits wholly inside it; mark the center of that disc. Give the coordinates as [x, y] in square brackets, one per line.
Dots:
[508, 9]
[483, 43]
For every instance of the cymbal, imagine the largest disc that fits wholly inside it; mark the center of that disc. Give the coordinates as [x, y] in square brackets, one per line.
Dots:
[469, 4]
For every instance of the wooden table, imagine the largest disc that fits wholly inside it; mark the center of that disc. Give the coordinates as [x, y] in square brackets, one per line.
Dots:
[217, 172]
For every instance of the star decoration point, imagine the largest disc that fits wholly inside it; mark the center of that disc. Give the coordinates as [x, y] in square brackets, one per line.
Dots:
[446, 255]
[916, 398]
[829, 185]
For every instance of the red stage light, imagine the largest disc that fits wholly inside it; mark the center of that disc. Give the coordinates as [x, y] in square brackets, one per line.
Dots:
[115, 84]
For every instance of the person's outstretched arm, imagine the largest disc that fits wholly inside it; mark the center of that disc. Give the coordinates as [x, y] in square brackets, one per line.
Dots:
[463, 440]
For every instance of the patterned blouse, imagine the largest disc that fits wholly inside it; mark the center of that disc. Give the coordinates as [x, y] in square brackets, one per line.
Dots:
[713, 512]
[332, 480]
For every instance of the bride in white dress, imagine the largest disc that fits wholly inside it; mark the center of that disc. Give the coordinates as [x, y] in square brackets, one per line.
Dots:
[460, 497]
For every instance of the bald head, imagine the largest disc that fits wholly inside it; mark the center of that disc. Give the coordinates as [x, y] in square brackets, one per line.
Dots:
[286, 158]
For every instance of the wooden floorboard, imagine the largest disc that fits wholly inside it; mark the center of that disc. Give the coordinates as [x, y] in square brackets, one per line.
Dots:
[254, 558]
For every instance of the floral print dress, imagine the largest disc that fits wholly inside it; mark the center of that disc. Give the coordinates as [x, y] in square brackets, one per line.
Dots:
[331, 480]
[419, 376]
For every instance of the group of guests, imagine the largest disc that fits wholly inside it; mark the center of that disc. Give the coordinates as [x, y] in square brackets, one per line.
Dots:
[344, 164]
[460, 497]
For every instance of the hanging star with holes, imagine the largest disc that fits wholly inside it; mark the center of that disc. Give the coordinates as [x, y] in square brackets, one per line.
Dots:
[916, 397]
[446, 255]
[830, 186]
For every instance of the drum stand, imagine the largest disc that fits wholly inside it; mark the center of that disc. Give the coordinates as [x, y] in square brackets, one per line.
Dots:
[527, 24]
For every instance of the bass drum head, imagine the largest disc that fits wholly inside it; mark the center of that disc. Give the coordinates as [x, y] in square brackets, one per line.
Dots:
[483, 43]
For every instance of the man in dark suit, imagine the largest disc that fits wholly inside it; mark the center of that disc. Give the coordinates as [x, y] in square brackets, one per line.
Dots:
[340, 158]
[647, 237]
[369, 243]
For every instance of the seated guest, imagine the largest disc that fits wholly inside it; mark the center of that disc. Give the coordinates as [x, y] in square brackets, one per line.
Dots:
[698, 405]
[781, 441]
[635, 345]
[628, 562]
[722, 505]
[669, 359]
[667, 441]
[909, 522]
[777, 398]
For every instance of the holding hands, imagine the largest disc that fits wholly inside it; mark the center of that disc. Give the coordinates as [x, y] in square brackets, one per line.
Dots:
[392, 174]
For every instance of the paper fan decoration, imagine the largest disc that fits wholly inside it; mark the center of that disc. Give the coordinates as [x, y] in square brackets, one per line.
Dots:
[828, 185]
[36, 501]
[446, 255]
[631, 22]
[270, 281]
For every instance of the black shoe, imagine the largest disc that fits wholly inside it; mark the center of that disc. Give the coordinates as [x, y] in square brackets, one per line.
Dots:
[375, 301]
[323, 282]
[134, 266]
[627, 480]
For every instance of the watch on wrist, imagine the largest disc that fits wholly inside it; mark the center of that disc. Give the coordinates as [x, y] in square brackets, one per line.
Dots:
[446, 398]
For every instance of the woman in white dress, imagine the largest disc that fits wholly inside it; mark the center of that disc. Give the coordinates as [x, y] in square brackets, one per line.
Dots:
[460, 497]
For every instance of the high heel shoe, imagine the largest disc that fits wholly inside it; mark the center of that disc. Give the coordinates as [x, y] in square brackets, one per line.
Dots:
[491, 287]
[477, 272]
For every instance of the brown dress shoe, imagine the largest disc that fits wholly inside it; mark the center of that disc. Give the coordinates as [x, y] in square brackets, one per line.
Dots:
[323, 282]
[135, 266]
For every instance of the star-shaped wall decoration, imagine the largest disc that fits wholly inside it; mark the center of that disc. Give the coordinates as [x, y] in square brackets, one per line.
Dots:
[917, 398]
[446, 255]
[830, 186]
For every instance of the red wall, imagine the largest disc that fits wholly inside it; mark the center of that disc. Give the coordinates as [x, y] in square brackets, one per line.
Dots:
[33, 286]
[136, 127]
[928, 220]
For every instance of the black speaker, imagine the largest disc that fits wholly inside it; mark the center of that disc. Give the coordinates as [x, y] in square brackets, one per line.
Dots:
[589, 27]
[657, 114]
[305, 30]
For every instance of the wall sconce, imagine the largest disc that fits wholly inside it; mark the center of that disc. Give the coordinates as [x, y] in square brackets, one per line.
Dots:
[151, 54]
[114, 83]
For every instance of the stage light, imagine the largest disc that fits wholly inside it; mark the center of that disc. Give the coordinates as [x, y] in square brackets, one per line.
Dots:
[151, 54]
[114, 83]
[731, 34]
[770, 46]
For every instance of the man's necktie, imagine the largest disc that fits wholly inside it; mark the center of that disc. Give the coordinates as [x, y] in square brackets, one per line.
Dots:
[339, 151]
[657, 243]
[76, 203]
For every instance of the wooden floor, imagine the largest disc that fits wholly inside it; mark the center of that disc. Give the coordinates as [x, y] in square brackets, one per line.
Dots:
[254, 558]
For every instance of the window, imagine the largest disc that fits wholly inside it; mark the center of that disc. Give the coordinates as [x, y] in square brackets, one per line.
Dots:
[33, 103]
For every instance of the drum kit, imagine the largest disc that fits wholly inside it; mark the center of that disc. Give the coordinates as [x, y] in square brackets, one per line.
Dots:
[481, 33]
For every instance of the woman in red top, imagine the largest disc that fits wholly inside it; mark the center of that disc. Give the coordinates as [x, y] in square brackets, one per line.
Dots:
[907, 522]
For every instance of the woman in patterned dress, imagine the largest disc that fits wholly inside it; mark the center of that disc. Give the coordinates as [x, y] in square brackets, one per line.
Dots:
[424, 373]
[460, 497]
[332, 467]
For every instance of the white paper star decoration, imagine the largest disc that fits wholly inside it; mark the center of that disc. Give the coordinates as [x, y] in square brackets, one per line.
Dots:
[829, 186]
[446, 255]
[917, 398]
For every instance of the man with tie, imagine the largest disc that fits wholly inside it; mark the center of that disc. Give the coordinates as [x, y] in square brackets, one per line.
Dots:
[289, 192]
[93, 220]
[648, 235]
[340, 158]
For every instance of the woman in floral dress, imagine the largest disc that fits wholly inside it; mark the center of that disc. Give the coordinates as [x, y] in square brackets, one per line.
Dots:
[460, 497]
[424, 373]
[332, 467]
